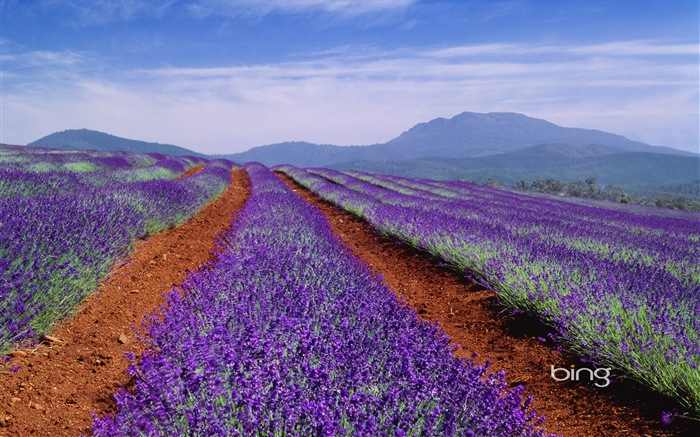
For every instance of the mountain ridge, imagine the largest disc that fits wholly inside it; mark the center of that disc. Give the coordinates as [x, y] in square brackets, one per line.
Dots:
[509, 130]
[86, 139]
[567, 163]
[468, 134]
[499, 145]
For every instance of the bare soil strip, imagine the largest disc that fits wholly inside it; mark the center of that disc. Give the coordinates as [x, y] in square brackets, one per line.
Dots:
[473, 318]
[192, 171]
[77, 369]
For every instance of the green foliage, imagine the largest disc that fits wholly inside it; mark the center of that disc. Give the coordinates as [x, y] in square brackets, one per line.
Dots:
[677, 202]
[42, 167]
[80, 167]
[633, 171]
[589, 189]
[549, 185]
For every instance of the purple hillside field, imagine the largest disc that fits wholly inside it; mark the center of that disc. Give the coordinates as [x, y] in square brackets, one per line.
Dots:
[61, 231]
[621, 285]
[287, 333]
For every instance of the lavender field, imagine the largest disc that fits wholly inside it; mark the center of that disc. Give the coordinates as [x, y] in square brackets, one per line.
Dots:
[289, 334]
[67, 216]
[620, 285]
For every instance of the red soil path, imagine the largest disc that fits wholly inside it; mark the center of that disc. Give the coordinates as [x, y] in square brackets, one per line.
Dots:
[472, 317]
[81, 365]
[191, 171]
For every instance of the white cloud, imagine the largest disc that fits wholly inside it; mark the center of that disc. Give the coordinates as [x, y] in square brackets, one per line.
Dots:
[614, 49]
[637, 48]
[347, 97]
[347, 8]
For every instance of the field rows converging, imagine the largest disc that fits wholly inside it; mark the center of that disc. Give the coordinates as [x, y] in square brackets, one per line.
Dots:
[53, 384]
[143, 294]
[288, 334]
[474, 319]
[65, 218]
[618, 286]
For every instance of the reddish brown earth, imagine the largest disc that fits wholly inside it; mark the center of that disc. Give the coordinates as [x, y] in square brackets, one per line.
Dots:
[191, 171]
[81, 365]
[473, 318]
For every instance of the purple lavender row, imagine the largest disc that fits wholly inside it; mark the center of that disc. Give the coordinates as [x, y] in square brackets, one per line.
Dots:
[623, 234]
[55, 246]
[468, 189]
[30, 171]
[659, 241]
[288, 334]
[39, 159]
[627, 300]
[616, 214]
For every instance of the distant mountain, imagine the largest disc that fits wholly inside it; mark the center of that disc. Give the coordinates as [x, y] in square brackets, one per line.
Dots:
[631, 170]
[300, 154]
[465, 135]
[474, 134]
[84, 139]
[503, 146]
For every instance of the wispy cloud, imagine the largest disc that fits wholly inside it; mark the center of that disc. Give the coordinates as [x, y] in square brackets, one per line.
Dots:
[359, 97]
[614, 49]
[106, 11]
[637, 48]
[91, 12]
[347, 8]
[497, 9]
[88, 13]
[28, 69]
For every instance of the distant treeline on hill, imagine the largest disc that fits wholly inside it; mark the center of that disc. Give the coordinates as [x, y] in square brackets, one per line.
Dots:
[589, 189]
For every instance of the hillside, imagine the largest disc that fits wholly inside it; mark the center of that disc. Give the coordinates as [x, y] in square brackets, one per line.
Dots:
[474, 134]
[563, 162]
[84, 139]
[274, 231]
[465, 135]
[300, 154]
[503, 146]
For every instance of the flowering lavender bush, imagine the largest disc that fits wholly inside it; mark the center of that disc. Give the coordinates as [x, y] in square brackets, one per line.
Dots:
[29, 171]
[620, 285]
[60, 232]
[288, 334]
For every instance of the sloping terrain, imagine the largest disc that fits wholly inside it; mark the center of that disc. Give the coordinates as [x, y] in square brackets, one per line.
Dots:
[75, 371]
[465, 135]
[506, 147]
[85, 139]
[473, 318]
[563, 162]
[475, 134]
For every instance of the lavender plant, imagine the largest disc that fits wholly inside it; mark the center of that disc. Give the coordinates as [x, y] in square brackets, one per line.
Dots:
[286, 333]
[60, 232]
[620, 286]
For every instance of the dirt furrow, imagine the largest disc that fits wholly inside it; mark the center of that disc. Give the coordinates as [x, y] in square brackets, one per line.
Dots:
[76, 370]
[473, 318]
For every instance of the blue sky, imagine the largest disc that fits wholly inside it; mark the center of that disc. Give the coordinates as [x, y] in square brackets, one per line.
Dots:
[223, 76]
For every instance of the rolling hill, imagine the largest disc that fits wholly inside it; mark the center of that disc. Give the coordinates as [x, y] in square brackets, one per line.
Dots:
[84, 139]
[559, 161]
[465, 135]
[504, 146]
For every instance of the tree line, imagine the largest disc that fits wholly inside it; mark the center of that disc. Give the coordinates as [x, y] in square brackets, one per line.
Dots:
[590, 189]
